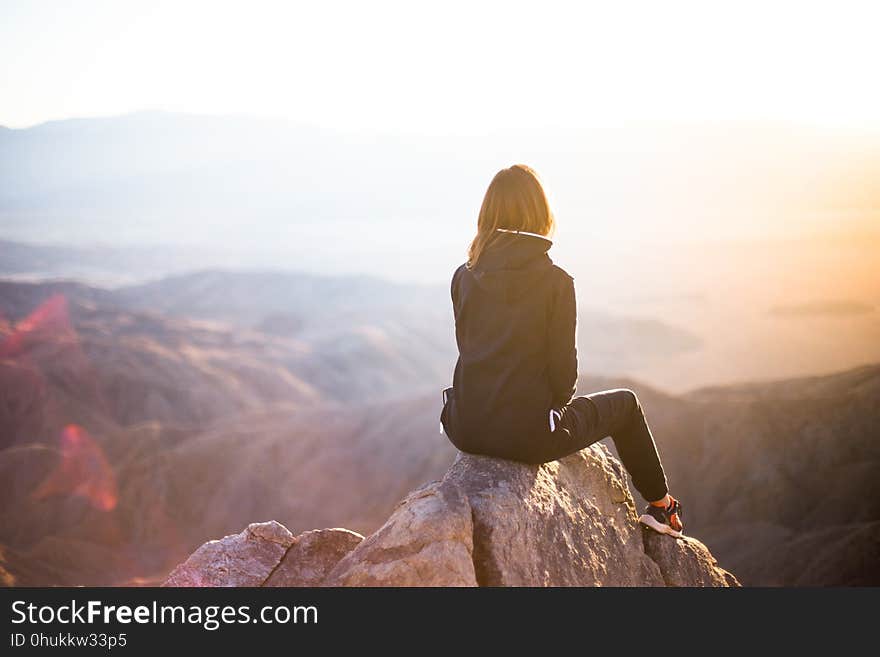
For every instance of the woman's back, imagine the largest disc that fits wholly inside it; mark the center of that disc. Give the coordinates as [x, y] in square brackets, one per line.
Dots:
[514, 325]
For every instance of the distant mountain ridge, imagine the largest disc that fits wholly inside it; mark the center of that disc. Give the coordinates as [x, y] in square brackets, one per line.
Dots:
[361, 319]
[191, 179]
[782, 476]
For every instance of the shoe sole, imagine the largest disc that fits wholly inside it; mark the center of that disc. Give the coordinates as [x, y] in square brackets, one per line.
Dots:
[660, 528]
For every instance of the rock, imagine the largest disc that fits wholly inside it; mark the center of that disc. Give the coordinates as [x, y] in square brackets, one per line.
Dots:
[565, 523]
[427, 541]
[265, 554]
[685, 561]
[311, 557]
[245, 559]
[488, 522]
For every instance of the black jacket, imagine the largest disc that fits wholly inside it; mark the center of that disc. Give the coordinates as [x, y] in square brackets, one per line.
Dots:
[515, 325]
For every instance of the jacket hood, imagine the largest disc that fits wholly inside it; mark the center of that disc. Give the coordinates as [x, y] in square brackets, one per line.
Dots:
[512, 263]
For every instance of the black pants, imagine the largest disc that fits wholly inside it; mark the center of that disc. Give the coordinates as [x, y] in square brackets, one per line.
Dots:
[584, 421]
[616, 413]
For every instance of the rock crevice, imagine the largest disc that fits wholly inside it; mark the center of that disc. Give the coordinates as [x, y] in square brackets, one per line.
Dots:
[276, 566]
[483, 572]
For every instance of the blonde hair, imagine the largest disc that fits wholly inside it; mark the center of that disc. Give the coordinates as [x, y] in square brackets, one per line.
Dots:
[515, 201]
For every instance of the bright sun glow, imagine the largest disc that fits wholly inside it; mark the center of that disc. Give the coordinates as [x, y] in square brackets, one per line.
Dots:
[448, 67]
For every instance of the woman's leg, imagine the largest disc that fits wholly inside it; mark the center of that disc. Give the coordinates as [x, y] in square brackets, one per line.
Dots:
[618, 413]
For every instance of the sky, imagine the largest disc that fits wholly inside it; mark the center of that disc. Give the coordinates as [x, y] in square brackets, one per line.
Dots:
[434, 68]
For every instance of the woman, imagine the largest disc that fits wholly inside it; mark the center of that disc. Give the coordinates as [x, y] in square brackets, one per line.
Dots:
[512, 394]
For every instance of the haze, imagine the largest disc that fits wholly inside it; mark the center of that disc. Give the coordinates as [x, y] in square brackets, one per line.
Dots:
[703, 175]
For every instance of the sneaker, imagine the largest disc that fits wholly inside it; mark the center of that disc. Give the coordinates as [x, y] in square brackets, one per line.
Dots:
[660, 519]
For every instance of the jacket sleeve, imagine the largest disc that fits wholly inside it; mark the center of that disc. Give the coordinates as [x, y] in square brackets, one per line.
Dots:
[453, 287]
[562, 347]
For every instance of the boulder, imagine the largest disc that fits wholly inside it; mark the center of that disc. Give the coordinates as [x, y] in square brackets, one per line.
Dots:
[244, 559]
[427, 541]
[311, 556]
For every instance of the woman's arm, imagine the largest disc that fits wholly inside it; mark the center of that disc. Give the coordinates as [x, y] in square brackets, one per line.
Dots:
[562, 347]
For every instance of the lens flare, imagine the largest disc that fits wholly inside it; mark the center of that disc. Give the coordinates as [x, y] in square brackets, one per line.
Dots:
[83, 471]
[50, 319]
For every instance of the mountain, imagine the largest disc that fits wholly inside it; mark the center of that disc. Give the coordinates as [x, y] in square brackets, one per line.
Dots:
[74, 356]
[175, 486]
[118, 425]
[673, 318]
[415, 319]
[488, 522]
[228, 183]
[350, 337]
[280, 193]
[191, 370]
[100, 265]
[165, 165]
[128, 436]
[782, 476]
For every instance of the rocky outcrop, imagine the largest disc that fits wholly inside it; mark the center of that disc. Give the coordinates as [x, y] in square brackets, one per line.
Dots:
[488, 522]
[265, 554]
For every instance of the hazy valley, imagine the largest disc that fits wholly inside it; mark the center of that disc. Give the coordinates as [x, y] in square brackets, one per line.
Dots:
[139, 421]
